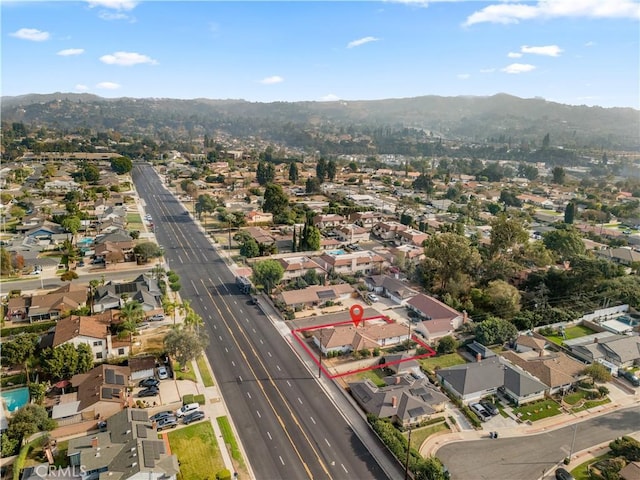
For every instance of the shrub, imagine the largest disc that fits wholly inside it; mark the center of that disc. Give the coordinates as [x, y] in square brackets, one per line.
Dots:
[223, 474]
[31, 328]
[187, 399]
[199, 399]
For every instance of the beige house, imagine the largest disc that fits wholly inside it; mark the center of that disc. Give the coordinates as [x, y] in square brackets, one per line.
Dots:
[316, 295]
[295, 267]
[350, 263]
[368, 335]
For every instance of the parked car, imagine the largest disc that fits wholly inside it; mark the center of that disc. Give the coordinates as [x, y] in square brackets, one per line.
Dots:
[630, 377]
[149, 382]
[166, 413]
[562, 474]
[490, 407]
[188, 408]
[157, 317]
[163, 373]
[373, 297]
[167, 422]
[149, 392]
[480, 411]
[193, 417]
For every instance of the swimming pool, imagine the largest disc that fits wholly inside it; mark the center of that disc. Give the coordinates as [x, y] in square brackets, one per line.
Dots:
[336, 252]
[15, 398]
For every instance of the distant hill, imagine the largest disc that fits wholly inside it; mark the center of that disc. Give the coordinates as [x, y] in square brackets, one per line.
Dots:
[498, 118]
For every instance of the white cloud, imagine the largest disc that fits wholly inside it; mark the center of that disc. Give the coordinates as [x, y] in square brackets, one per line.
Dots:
[127, 59]
[70, 51]
[361, 41]
[518, 68]
[104, 15]
[548, 50]
[114, 4]
[487, 70]
[463, 76]
[506, 13]
[32, 34]
[330, 98]
[81, 88]
[272, 80]
[514, 54]
[108, 85]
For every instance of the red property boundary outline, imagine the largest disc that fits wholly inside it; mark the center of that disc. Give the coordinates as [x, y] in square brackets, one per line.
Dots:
[297, 335]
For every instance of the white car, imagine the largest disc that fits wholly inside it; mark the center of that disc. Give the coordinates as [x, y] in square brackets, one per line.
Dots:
[373, 297]
[163, 374]
[188, 408]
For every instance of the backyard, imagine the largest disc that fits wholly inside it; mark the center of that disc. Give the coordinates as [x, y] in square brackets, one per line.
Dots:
[374, 375]
[570, 333]
[198, 451]
[441, 361]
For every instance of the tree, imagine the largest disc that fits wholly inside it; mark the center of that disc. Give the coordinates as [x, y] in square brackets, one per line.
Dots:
[559, 175]
[20, 350]
[321, 170]
[311, 277]
[598, 373]
[627, 447]
[447, 344]
[66, 360]
[69, 276]
[569, 213]
[205, 204]
[423, 183]
[312, 185]
[185, 345]
[265, 173]
[310, 238]
[504, 298]
[72, 224]
[331, 170]
[121, 165]
[566, 243]
[494, 331]
[147, 250]
[546, 141]
[250, 249]
[506, 233]
[28, 420]
[5, 262]
[132, 312]
[275, 200]
[293, 172]
[268, 273]
[449, 256]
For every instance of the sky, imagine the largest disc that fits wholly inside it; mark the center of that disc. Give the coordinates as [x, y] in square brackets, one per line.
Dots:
[578, 52]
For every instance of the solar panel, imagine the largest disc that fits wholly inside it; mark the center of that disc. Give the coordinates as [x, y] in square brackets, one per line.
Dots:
[139, 416]
[110, 376]
[148, 454]
[416, 412]
[326, 294]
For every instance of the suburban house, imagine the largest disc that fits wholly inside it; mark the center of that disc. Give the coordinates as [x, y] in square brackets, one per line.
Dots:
[438, 328]
[101, 392]
[429, 308]
[401, 364]
[316, 295]
[350, 263]
[529, 343]
[297, 266]
[556, 370]
[388, 230]
[329, 220]
[49, 306]
[411, 236]
[623, 255]
[472, 381]
[128, 449]
[260, 235]
[367, 336]
[254, 217]
[409, 254]
[620, 350]
[536, 200]
[93, 331]
[364, 219]
[351, 233]
[143, 289]
[142, 367]
[390, 287]
[115, 252]
[405, 400]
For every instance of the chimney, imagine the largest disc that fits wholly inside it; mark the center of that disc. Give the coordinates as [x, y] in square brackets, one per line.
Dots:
[394, 401]
[541, 354]
[94, 442]
[595, 340]
[478, 357]
[397, 380]
[465, 317]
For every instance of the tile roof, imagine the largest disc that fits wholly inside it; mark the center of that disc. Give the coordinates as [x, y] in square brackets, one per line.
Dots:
[96, 326]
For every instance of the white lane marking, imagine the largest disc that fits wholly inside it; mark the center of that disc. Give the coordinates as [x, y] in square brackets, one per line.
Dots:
[226, 350]
[258, 412]
[269, 435]
[241, 311]
[219, 279]
[254, 330]
[233, 363]
[220, 337]
[300, 400]
[205, 307]
[261, 342]
[313, 420]
[269, 353]
[278, 367]
[180, 258]
[214, 327]
[195, 288]
[281, 460]
[235, 303]
[240, 379]
[288, 383]
[248, 394]
[327, 441]
[344, 468]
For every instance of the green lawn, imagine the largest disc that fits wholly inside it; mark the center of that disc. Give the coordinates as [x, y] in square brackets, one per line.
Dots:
[576, 331]
[230, 439]
[580, 472]
[134, 218]
[441, 361]
[197, 451]
[204, 372]
[419, 435]
[538, 410]
[180, 375]
[374, 375]
[591, 404]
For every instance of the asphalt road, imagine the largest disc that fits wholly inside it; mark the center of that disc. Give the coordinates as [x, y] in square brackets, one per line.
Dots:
[287, 424]
[526, 458]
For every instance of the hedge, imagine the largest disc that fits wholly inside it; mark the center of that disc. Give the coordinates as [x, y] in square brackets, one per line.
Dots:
[30, 328]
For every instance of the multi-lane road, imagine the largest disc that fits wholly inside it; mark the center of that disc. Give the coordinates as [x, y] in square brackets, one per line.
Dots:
[289, 427]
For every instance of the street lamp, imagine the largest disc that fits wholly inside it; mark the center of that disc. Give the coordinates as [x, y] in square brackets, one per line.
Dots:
[573, 441]
[406, 464]
[320, 353]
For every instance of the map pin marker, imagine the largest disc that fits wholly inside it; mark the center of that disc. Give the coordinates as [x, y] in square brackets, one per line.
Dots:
[356, 312]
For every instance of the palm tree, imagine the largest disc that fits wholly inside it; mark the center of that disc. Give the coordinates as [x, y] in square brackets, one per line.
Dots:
[93, 286]
[132, 311]
[193, 320]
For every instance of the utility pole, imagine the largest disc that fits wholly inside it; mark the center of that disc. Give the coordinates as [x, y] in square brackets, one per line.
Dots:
[573, 441]
[320, 353]
[406, 464]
